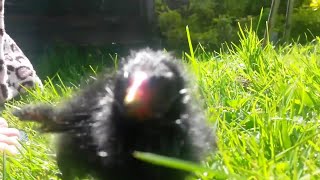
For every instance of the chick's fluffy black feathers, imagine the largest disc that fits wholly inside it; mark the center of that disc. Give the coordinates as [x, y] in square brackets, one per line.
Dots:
[145, 106]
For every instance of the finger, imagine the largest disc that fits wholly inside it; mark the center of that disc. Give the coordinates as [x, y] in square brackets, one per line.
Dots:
[11, 149]
[3, 122]
[9, 131]
[13, 140]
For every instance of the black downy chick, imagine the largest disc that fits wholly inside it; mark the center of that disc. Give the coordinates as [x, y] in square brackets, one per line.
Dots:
[146, 106]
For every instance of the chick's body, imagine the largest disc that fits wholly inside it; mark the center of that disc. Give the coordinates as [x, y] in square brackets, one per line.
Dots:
[144, 107]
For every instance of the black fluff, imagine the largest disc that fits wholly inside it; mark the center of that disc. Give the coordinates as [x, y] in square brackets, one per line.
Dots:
[98, 135]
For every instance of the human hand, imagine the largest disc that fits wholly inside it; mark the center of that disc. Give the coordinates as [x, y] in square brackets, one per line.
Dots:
[8, 138]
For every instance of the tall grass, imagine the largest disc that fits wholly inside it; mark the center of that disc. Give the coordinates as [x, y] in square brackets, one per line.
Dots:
[266, 102]
[37, 157]
[263, 99]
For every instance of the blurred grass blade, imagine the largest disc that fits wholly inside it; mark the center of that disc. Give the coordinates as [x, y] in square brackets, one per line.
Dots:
[190, 43]
[171, 162]
[4, 159]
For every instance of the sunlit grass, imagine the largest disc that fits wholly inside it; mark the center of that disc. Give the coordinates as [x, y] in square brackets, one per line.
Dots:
[36, 160]
[263, 99]
[266, 102]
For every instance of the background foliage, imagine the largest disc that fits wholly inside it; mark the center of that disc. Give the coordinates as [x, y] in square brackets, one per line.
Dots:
[213, 22]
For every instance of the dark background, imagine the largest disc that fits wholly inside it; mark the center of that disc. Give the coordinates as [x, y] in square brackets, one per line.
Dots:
[38, 25]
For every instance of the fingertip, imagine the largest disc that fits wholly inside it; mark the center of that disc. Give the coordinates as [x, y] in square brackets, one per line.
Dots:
[9, 149]
[9, 131]
[3, 122]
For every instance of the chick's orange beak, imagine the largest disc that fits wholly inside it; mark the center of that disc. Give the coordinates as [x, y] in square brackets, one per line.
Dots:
[138, 97]
[135, 90]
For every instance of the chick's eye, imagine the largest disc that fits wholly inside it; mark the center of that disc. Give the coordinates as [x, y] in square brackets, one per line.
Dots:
[125, 83]
[152, 83]
[158, 84]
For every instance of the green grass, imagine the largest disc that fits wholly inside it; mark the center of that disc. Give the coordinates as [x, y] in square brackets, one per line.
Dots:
[264, 102]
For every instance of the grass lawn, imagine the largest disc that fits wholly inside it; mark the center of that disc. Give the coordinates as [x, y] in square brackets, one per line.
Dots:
[264, 102]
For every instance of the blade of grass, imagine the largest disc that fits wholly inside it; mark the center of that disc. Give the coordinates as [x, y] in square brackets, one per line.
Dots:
[171, 162]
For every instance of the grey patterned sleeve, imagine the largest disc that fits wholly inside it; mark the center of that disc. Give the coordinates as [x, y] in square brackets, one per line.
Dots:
[20, 71]
[16, 71]
[4, 93]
